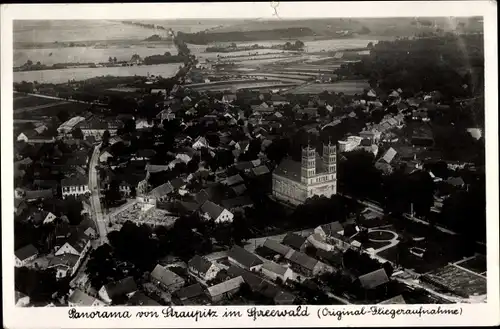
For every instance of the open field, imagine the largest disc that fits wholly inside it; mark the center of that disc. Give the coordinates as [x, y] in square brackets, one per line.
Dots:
[346, 87]
[61, 76]
[280, 76]
[52, 110]
[21, 101]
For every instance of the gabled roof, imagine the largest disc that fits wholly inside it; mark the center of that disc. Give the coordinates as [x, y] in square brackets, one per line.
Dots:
[26, 252]
[76, 180]
[225, 286]
[200, 264]
[140, 299]
[373, 279]
[238, 190]
[389, 155]
[165, 276]
[120, 288]
[302, 259]
[294, 240]
[191, 291]
[177, 183]
[244, 257]
[233, 180]
[80, 298]
[277, 247]
[394, 300]
[284, 297]
[212, 209]
[78, 241]
[332, 228]
[68, 260]
[260, 170]
[275, 268]
[161, 190]
[39, 194]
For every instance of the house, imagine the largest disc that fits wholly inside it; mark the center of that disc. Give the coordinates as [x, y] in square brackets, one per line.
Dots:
[260, 170]
[166, 279]
[201, 142]
[65, 265]
[274, 271]
[123, 288]
[396, 300]
[318, 242]
[201, 268]
[157, 194]
[33, 195]
[284, 298]
[279, 100]
[190, 292]
[328, 230]
[79, 298]
[308, 265]
[22, 300]
[372, 135]
[96, 127]
[389, 155]
[245, 259]
[74, 186]
[295, 241]
[140, 299]
[225, 289]
[25, 255]
[103, 158]
[68, 126]
[143, 124]
[233, 180]
[275, 247]
[215, 212]
[263, 108]
[238, 190]
[373, 279]
[77, 244]
[49, 218]
[331, 257]
[27, 136]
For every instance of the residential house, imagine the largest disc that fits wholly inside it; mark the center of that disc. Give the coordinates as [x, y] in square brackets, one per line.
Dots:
[103, 158]
[77, 244]
[372, 135]
[140, 299]
[49, 218]
[75, 186]
[238, 190]
[233, 180]
[295, 241]
[123, 288]
[374, 279]
[284, 298]
[319, 242]
[273, 271]
[189, 293]
[27, 136]
[202, 268]
[263, 108]
[274, 248]
[330, 229]
[144, 155]
[96, 127]
[21, 299]
[143, 124]
[225, 289]
[260, 171]
[65, 265]
[245, 259]
[216, 213]
[166, 279]
[201, 142]
[396, 300]
[25, 255]
[79, 298]
[308, 265]
[156, 195]
[237, 203]
[349, 144]
[279, 100]
[332, 257]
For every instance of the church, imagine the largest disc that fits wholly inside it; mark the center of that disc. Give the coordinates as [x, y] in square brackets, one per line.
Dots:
[295, 182]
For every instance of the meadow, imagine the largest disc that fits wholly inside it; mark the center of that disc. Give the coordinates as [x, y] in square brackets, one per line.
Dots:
[346, 87]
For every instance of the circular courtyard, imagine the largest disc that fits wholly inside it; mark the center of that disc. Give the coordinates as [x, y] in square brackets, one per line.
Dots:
[382, 236]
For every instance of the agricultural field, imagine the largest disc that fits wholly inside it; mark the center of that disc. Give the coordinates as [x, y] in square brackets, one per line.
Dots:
[23, 101]
[346, 87]
[52, 110]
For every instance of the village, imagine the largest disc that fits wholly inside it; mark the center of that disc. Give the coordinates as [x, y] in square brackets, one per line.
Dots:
[193, 192]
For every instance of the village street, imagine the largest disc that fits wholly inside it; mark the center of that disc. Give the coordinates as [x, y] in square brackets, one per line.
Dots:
[95, 200]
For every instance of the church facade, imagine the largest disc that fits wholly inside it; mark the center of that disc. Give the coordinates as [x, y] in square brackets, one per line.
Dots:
[294, 182]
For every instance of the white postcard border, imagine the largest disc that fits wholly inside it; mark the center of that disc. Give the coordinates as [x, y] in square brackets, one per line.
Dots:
[471, 314]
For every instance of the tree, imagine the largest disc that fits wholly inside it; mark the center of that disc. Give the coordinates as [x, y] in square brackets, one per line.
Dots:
[115, 60]
[110, 59]
[77, 133]
[29, 62]
[299, 44]
[105, 137]
[101, 267]
[112, 194]
[39, 285]
[63, 116]
[240, 229]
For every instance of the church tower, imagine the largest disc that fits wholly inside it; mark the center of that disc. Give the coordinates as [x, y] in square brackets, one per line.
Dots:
[308, 165]
[330, 157]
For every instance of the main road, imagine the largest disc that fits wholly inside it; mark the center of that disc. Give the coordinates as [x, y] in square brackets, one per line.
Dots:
[95, 198]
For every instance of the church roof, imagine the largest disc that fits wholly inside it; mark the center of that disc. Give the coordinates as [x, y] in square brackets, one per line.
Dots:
[291, 169]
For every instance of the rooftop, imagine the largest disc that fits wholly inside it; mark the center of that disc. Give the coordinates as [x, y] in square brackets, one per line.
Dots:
[200, 264]
[244, 257]
[26, 252]
[165, 276]
[80, 298]
[225, 286]
[122, 287]
[294, 240]
[373, 279]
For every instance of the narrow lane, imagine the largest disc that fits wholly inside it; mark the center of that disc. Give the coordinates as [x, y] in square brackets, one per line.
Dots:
[95, 199]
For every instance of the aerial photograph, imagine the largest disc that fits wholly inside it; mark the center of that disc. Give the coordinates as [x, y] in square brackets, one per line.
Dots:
[326, 161]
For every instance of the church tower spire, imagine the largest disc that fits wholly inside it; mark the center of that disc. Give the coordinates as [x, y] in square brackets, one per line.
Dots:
[330, 157]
